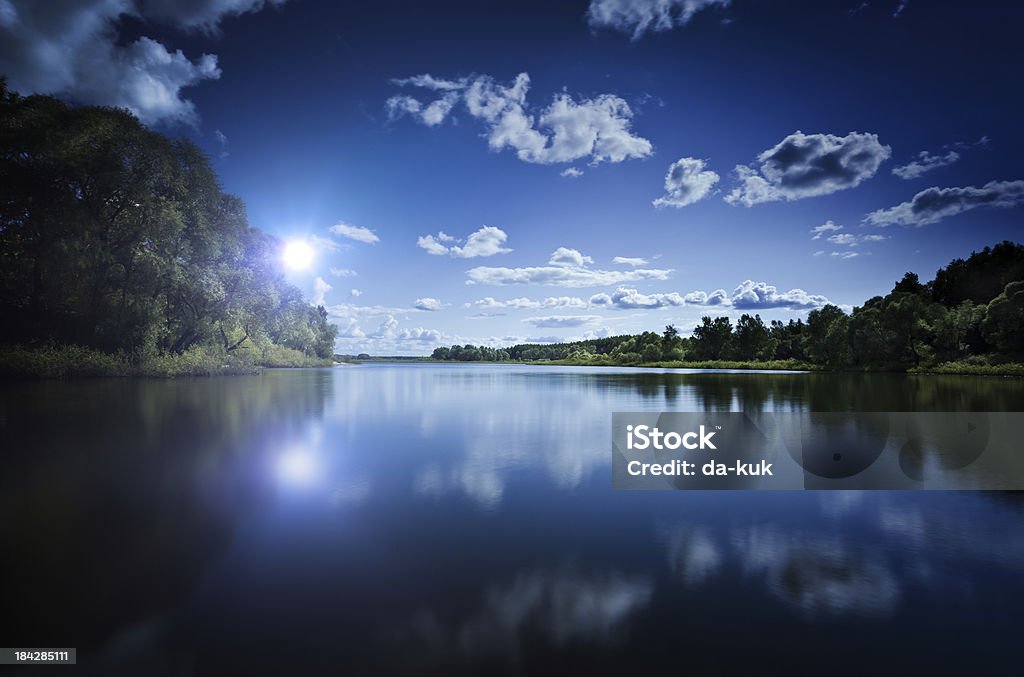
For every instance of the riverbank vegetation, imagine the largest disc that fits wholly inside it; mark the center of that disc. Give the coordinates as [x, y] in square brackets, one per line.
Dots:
[120, 254]
[968, 320]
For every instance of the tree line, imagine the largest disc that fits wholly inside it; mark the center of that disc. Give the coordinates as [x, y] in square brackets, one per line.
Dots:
[973, 310]
[120, 239]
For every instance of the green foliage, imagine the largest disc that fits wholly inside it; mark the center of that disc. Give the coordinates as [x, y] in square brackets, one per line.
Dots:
[913, 328]
[118, 239]
[1003, 326]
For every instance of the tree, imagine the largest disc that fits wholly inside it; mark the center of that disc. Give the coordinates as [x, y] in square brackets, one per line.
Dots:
[712, 338]
[1003, 325]
[753, 340]
[826, 339]
[115, 237]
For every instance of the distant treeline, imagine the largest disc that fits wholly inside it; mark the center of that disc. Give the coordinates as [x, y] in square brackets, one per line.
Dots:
[972, 311]
[118, 239]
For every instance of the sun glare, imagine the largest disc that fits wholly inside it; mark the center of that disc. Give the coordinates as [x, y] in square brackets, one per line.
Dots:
[298, 255]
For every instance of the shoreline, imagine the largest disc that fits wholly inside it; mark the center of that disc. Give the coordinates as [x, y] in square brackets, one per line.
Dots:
[1007, 370]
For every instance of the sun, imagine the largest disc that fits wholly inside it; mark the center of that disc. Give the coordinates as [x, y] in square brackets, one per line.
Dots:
[298, 255]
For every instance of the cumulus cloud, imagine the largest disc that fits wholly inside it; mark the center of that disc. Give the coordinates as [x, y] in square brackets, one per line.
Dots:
[760, 295]
[564, 256]
[487, 241]
[566, 130]
[428, 304]
[389, 329]
[566, 268]
[343, 272]
[630, 299]
[630, 261]
[356, 293]
[827, 227]
[925, 162]
[934, 204]
[562, 321]
[571, 173]
[489, 302]
[808, 165]
[686, 182]
[72, 49]
[357, 233]
[639, 16]
[719, 297]
[320, 289]
[748, 295]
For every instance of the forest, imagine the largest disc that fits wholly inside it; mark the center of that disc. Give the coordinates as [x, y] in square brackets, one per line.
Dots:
[120, 252]
[968, 319]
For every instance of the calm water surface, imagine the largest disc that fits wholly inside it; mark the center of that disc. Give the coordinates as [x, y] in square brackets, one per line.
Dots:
[459, 519]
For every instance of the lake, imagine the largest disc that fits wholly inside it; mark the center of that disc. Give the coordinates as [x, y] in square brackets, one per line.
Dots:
[457, 519]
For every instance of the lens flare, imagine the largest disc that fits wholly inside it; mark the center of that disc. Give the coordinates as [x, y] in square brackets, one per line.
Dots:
[298, 255]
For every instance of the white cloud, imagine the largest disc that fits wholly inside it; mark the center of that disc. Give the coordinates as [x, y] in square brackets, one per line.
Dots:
[571, 172]
[567, 268]
[925, 162]
[843, 239]
[343, 272]
[597, 129]
[429, 244]
[686, 182]
[826, 227]
[934, 204]
[808, 165]
[845, 255]
[639, 16]
[203, 15]
[222, 141]
[562, 321]
[320, 289]
[357, 233]
[428, 304]
[325, 243]
[630, 261]
[757, 295]
[356, 293]
[719, 297]
[564, 256]
[748, 295]
[853, 240]
[487, 241]
[490, 302]
[387, 329]
[630, 299]
[73, 49]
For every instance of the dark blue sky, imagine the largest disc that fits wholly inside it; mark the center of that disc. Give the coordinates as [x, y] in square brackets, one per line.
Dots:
[311, 141]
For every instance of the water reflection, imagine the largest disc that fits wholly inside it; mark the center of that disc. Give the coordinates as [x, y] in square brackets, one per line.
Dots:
[558, 607]
[434, 518]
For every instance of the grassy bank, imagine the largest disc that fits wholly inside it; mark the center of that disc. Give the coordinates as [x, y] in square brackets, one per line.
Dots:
[768, 365]
[61, 362]
[973, 368]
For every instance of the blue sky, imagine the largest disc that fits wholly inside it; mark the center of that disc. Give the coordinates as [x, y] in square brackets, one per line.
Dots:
[539, 138]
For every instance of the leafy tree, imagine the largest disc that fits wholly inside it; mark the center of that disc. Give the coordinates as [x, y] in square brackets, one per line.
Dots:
[826, 338]
[712, 338]
[753, 339]
[1003, 325]
[115, 237]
